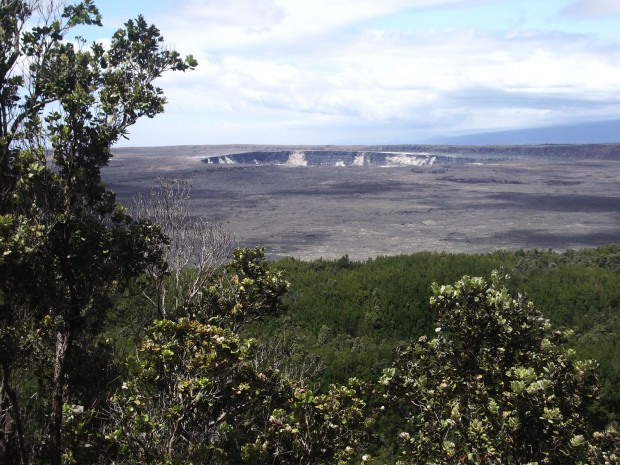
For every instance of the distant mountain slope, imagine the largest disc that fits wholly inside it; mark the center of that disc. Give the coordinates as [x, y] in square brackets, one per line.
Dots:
[600, 132]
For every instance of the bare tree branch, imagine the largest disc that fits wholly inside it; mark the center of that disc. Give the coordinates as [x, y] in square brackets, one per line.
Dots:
[196, 247]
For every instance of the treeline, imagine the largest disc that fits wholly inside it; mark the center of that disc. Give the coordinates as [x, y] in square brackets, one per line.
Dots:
[349, 357]
[353, 315]
[341, 319]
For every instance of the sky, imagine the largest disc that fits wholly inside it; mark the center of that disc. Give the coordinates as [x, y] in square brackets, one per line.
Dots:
[376, 71]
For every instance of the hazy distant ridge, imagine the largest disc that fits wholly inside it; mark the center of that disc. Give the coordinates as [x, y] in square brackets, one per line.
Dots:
[600, 132]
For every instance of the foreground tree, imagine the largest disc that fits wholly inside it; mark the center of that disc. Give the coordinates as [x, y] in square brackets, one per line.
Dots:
[198, 395]
[65, 243]
[495, 386]
[327, 428]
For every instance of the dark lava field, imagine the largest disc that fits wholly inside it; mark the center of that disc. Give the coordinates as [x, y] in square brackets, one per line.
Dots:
[311, 202]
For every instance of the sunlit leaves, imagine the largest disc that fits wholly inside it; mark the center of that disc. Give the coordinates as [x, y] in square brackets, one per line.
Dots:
[190, 379]
[315, 428]
[199, 395]
[495, 385]
[247, 291]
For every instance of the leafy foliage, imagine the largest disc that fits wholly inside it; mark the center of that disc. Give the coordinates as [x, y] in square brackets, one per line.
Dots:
[65, 243]
[361, 312]
[198, 394]
[495, 385]
[190, 385]
[315, 428]
[247, 291]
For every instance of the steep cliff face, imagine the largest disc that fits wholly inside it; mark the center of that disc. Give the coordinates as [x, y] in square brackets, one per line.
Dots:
[338, 158]
[409, 155]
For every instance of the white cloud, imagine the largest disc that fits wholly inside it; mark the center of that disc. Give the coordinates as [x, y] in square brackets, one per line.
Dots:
[284, 71]
[255, 16]
[227, 24]
[594, 8]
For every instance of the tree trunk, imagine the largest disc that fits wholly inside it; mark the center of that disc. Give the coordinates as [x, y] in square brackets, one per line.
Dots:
[12, 450]
[58, 387]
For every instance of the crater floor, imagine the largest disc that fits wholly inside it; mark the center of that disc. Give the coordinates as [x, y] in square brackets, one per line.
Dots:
[363, 211]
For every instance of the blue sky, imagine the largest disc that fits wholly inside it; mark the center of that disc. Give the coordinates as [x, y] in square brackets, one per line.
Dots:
[377, 71]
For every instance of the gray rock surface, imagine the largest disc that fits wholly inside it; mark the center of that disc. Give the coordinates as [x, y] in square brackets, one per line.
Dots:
[472, 200]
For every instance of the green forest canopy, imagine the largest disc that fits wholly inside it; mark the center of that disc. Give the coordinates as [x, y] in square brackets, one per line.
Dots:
[353, 314]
